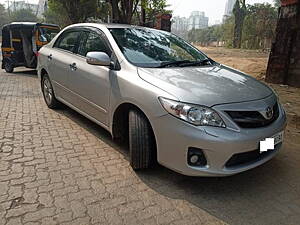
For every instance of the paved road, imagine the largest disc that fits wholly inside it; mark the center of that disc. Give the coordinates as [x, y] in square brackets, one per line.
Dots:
[56, 167]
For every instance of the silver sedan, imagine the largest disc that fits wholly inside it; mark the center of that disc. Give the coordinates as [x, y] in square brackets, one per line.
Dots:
[168, 100]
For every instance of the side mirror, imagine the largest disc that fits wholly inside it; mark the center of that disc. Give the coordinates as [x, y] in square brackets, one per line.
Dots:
[98, 58]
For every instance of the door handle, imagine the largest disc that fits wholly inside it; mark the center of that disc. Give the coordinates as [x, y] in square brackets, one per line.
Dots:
[73, 66]
[50, 57]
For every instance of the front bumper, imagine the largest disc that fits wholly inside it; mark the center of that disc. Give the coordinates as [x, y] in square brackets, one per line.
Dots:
[174, 137]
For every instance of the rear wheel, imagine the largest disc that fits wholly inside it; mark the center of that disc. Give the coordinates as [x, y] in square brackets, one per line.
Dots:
[48, 93]
[141, 141]
[8, 66]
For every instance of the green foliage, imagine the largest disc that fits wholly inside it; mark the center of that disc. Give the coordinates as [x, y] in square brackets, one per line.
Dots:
[277, 3]
[223, 32]
[121, 11]
[152, 8]
[71, 11]
[103, 10]
[203, 36]
[259, 26]
[3, 16]
[23, 15]
[61, 13]
[228, 31]
[56, 14]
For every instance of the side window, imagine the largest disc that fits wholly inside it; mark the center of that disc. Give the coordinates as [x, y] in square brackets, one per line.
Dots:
[92, 42]
[68, 41]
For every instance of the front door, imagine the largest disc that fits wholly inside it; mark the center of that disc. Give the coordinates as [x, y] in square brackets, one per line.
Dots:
[89, 84]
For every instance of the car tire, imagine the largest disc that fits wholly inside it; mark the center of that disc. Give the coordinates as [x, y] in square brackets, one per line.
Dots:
[48, 93]
[8, 67]
[142, 145]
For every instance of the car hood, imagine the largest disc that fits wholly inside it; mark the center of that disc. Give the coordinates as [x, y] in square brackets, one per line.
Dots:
[209, 85]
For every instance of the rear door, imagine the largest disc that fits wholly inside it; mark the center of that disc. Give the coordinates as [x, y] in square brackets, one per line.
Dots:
[59, 59]
[89, 83]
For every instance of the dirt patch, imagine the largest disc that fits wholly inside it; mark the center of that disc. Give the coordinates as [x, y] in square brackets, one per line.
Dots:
[248, 61]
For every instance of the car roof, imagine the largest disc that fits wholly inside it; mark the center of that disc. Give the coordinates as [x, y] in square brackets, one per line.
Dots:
[17, 25]
[108, 25]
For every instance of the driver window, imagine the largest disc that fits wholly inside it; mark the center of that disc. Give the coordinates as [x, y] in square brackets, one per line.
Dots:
[68, 41]
[92, 42]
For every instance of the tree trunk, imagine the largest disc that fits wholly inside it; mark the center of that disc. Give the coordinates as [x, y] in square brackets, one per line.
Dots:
[143, 13]
[239, 17]
[115, 11]
[123, 12]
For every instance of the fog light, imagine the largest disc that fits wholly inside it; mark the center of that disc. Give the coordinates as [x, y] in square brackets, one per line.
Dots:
[196, 157]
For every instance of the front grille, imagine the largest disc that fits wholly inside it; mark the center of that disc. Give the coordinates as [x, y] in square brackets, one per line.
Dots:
[252, 119]
[247, 158]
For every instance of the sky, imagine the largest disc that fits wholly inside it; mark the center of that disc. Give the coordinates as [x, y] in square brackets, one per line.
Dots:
[214, 9]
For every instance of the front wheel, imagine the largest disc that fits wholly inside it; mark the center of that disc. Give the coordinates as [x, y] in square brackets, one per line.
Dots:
[48, 93]
[141, 141]
[8, 66]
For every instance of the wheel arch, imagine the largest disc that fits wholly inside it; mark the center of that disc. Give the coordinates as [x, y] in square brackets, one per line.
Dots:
[120, 121]
[42, 74]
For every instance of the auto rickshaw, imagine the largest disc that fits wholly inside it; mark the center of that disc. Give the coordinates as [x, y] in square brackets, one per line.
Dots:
[21, 42]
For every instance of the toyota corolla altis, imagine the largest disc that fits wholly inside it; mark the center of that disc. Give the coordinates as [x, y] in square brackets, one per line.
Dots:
[171, 102]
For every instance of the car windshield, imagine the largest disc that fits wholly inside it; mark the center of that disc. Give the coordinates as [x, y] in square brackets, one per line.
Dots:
[48, 33]
[145, 47]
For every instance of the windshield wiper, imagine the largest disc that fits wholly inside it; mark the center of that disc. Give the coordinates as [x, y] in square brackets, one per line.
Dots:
[185, 63]
[198, 63]
[174, 63]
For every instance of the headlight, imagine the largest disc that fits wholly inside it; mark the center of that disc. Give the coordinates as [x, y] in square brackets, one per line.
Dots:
[197, 115]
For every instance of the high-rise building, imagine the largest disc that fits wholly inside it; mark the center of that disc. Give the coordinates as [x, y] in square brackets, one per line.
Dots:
[180, 26]
[197, 20]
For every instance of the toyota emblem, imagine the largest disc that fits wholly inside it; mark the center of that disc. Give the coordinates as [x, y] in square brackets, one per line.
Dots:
[269, 113]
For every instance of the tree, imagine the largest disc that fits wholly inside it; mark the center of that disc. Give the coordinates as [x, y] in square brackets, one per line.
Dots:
[138, 11]
[103, 11]
[23, 15]
[56, 14]
[150, 8]
[239, 12]
[259, 26]
[206, 35]
[3, 16]
[123, 10]
[228, 31]
[277, 3]
[76, 11]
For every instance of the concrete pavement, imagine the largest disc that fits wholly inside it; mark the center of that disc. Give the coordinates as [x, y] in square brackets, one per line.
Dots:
[56, 167]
